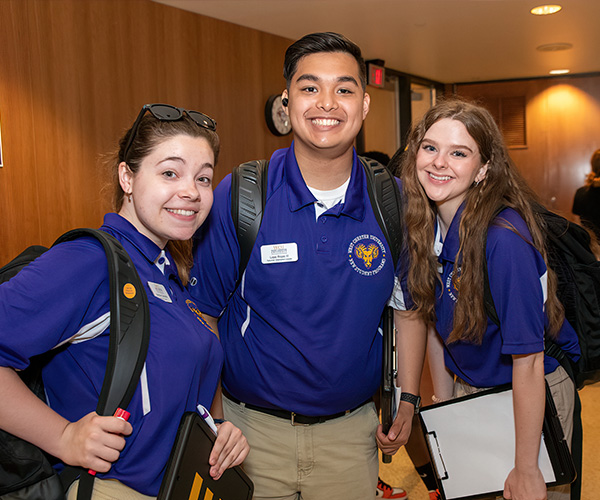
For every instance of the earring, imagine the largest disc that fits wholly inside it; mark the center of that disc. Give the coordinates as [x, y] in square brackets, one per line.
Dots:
[476, 184]
[284, 102]
[128, 196]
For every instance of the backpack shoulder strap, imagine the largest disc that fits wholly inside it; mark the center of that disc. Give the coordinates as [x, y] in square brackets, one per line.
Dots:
[129, 337]
[248, 198]
[129, 323]
[385, 200]
[488, 300]
[552, 233]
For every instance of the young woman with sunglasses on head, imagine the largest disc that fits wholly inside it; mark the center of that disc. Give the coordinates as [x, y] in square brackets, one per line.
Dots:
[163, 192]
[466, 202]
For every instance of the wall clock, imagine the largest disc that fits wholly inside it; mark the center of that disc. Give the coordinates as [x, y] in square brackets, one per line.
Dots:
[277, 120]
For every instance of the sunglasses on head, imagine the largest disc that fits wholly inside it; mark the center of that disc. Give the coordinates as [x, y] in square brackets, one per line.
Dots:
[167, 113]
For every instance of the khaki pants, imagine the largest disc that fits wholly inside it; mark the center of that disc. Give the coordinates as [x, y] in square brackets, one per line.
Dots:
[109, 489]
[563, 393]
[335, 460]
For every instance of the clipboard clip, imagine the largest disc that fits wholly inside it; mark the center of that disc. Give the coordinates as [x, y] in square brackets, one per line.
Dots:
[436, 456]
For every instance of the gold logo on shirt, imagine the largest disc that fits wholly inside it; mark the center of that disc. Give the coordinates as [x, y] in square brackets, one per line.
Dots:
[367, 254]
[194, 308]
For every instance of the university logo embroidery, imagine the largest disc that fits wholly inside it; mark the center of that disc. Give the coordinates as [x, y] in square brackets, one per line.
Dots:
[453, 285]
[366, 254]
[194, 308]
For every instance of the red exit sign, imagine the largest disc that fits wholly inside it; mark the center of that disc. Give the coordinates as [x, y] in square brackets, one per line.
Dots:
[376, 75]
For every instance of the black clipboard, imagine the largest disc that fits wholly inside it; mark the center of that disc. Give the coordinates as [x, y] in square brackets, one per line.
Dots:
[187, 477]
[471, 443]
[388, 375]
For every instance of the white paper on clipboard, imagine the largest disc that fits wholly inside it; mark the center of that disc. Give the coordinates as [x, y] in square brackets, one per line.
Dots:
[473, 444]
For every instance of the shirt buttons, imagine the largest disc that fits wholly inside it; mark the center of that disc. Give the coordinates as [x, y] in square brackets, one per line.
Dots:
[323, 220]
[437, 247]
[324, 239]
[161, 260]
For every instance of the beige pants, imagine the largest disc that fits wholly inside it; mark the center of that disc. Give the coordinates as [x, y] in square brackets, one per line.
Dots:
[335, 460]
[563, 393]
[109, 489]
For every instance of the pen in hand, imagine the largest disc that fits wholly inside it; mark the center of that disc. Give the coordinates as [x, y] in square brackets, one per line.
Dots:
[123, 415]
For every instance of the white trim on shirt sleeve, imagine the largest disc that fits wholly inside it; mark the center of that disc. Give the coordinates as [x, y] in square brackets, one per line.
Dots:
[397, 299]
[90, 331]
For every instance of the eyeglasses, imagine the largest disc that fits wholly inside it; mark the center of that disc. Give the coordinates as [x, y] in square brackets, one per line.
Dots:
[167, 113]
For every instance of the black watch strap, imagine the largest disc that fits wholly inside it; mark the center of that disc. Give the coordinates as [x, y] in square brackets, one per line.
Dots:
[412, 399]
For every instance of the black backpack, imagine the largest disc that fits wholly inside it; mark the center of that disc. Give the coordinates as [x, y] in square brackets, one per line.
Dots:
[248, 198]
[578, 273]
[26, 472]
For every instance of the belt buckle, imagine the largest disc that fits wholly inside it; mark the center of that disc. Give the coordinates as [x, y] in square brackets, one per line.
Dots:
[294, 423]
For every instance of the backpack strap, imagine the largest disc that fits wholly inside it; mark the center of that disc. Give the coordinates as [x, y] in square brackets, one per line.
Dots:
[385, 200]
[550, 348]
[129, 336]
[248, 198]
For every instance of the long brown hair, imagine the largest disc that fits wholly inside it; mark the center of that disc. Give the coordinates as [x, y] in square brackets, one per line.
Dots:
[502, 186]
[150, 134]
[593, 178]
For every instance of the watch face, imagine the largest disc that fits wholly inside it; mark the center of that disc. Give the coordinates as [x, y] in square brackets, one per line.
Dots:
[277, 120]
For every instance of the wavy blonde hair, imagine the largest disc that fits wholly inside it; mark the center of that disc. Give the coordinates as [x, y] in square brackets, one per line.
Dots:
[502, 186]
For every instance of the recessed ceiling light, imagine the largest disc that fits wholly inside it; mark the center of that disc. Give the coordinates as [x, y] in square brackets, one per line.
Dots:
[554, 47]
[545, 10]
[559, 71]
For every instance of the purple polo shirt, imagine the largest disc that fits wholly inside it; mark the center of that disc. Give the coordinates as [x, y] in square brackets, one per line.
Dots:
[300, 333]
[517, 274]
[62, 298]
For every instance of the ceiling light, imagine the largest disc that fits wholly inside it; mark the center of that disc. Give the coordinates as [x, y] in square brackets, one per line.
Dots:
[545, 10]
[559, 71]
[554, 47]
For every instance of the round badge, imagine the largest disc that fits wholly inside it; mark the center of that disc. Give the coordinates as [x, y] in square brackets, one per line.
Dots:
[129, 290]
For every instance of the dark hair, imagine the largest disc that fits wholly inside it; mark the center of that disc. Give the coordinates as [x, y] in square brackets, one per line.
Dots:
[379, 156]
[322, 42]
[150, 134]
[593, 178]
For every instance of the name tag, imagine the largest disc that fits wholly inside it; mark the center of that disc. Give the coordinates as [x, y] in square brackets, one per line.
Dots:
[159, 291]
[283, 252]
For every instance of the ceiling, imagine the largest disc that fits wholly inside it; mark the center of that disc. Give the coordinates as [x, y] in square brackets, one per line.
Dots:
[448, 41]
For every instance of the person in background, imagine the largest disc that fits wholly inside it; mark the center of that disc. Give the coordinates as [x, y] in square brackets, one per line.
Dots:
[586, 203]
[466, 202]
[300, 333]
[162, 193]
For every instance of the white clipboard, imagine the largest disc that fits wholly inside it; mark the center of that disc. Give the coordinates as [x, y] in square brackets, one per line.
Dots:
[471, 441]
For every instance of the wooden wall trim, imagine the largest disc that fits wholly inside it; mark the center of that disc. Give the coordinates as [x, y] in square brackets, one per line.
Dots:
[562, 129]
[74, 76]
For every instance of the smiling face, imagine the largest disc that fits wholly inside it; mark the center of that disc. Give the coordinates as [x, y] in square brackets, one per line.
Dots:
[448, 163]
[327, 104]
[171, 194]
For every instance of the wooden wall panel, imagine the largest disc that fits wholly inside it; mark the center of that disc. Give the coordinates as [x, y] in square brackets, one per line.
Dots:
[74, 76]
[563, 130]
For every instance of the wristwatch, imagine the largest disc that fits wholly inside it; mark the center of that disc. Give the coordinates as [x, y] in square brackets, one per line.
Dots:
[412, 399]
